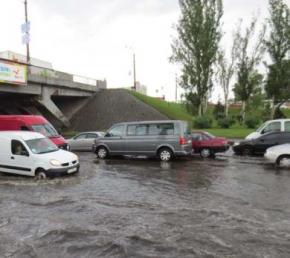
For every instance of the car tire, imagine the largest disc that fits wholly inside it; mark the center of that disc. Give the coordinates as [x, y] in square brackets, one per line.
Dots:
[247, 151]
[40, 174]
[165, 154]
[205, 153]
[102, 152]
[279, 159]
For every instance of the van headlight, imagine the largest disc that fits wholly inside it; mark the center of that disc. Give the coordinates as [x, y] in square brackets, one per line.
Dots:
[55, 162]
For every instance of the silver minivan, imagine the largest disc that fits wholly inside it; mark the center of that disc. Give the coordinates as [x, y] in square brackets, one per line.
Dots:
[164, 139]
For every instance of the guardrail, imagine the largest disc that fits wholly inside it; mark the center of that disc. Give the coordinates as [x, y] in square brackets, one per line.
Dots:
[47, 73]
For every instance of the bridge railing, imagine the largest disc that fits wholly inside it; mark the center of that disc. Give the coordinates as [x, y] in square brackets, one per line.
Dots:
[48, 73]
[52, 74]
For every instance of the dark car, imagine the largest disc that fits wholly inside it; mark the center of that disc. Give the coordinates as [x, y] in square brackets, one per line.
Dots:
[260, 145]
[207, 145]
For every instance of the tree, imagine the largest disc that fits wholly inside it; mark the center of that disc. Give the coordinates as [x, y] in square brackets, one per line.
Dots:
[196, 46]
[226, 70]
[278, 46]
[248, 79]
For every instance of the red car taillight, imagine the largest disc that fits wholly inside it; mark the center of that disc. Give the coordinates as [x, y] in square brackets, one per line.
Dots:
[182, 141]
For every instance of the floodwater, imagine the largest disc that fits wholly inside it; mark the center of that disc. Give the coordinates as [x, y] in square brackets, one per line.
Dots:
[228, 207]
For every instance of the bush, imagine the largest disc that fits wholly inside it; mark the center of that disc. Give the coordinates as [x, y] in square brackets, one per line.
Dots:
[202, 122]
[252, 122]
[219, 111]
[226, 122]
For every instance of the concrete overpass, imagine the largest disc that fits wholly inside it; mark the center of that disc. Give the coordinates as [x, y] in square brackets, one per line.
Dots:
[46, 90]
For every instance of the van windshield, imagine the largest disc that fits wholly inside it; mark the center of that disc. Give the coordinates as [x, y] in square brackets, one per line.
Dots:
[41, 145]
[45, 129]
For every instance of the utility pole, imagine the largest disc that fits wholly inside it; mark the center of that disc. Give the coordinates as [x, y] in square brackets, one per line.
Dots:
[27, 35]
[134, 71]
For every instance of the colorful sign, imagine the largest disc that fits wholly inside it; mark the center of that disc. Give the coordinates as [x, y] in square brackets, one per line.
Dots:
[13, 73]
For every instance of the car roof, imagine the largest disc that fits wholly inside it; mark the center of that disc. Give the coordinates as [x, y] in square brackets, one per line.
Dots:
[28, 119]
[150, 122]
[21, 135]
[90, 132]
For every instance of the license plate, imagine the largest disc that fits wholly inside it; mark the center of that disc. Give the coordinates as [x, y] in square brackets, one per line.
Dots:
[72, 170]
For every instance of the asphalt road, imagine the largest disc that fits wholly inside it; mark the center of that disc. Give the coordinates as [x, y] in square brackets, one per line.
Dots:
[227, 207]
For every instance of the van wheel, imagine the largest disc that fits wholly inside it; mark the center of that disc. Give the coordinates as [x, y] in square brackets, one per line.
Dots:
[40, 174]
[205, 153]
[102, 153]
[165, 154]
[281, 159]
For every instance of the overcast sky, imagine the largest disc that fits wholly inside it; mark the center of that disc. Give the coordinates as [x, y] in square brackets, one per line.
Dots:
[96, 38]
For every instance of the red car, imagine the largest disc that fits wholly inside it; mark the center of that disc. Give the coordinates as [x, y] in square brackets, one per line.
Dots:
[208, 145]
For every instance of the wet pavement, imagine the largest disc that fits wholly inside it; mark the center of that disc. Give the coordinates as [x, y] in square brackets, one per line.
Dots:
[227, 207]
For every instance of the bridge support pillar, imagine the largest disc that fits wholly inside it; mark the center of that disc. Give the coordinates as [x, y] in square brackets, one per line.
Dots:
[45, 100]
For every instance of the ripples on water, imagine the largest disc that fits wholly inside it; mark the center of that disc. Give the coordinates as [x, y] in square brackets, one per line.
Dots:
[228, 207]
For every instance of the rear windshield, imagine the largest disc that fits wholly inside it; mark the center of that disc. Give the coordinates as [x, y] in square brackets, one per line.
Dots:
[45, 129]
[42, 145]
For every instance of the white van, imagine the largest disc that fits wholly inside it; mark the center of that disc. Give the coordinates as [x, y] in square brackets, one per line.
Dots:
[279, 125]
[32, 154]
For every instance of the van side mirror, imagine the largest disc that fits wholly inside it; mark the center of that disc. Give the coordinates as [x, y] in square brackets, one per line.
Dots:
[108, 135]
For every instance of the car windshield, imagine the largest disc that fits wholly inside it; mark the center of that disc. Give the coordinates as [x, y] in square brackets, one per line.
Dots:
[45, 129]
[41, 145]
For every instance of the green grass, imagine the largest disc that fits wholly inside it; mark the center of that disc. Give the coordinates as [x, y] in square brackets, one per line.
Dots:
[172, 110]
[232, 133]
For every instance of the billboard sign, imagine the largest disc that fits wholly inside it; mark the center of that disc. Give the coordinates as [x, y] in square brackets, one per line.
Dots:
[13, 73]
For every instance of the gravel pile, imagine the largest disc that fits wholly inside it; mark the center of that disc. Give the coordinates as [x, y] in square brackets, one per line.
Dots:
[112, 106]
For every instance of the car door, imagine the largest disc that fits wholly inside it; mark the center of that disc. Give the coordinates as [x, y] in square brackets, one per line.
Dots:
[89, 140]
[264, 142]
[114, 139]
[196, 141]
[19, 161]
[78, 142]
[137, 141]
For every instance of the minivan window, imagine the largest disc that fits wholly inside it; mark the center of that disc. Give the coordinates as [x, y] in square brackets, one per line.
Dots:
[41, 145]
[273, 127]
[17, 148]
[45, 129]
[161, 129]
[116, 131]
[137, 130]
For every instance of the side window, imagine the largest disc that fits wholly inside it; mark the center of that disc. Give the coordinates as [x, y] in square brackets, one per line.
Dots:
[204, 137]
[17, 148]
[196, 137]
[116, 131]
[81, 137]
[161, 129]
[131, 130]
[273, 127]
[141, 130]
[287, 126]
[92, 136]
[137, 130]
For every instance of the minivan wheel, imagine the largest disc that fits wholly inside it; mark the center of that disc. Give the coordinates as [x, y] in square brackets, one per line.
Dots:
[165, 154]
[281, 159]
[40, 175]
[102, 153]
[205, 153]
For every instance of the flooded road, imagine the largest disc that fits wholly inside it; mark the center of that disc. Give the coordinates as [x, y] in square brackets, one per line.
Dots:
[228, 207]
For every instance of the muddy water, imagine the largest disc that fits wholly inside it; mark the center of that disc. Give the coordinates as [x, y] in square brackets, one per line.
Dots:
[228, 207]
